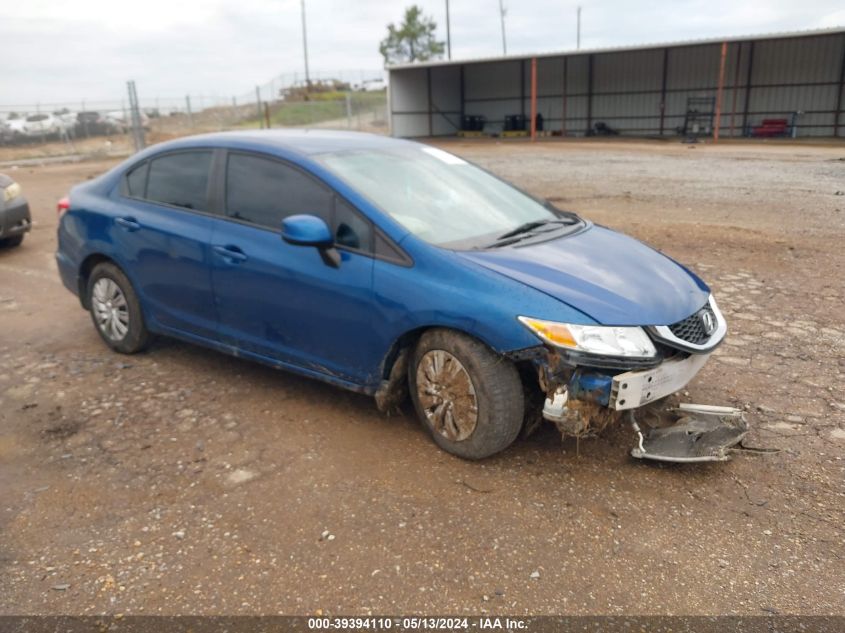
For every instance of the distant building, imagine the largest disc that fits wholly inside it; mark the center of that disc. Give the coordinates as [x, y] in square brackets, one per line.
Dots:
[774, 85]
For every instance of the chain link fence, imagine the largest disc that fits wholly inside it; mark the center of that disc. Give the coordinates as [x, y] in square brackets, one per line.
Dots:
[90, 129]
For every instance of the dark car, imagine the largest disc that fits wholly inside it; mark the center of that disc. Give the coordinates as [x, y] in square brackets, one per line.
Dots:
[15, 219]
[385, 267]
[92, 123]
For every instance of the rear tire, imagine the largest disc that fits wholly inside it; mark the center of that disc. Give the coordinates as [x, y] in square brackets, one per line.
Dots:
[11, 242]
[115, 310]
[468, 397]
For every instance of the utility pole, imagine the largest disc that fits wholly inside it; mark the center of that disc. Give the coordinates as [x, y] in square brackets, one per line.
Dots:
[448, 33]
[188, 110]
[135, 111]
[502, 12]
[578, 34]
[305, 45]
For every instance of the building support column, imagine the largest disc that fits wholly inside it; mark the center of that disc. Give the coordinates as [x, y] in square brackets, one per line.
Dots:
[522, 87]
[748, 86]
[720, 91]
[463, 97]
[589, 93]
[736, 84]
[533, 98]
[563, 116]
[838, 111]
[663, 89]
[430, 104]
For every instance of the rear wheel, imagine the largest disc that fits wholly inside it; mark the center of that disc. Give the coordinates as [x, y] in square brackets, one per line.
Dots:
[11, 242]
[469, 397]
[115, 310]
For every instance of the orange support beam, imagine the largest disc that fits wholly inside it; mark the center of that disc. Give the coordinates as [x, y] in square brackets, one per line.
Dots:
[719, 92]
[533, 98]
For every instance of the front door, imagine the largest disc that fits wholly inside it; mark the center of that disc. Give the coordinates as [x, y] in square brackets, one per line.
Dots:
[283, 301]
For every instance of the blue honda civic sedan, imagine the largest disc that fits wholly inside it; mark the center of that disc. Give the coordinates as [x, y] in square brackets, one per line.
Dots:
[390, 268]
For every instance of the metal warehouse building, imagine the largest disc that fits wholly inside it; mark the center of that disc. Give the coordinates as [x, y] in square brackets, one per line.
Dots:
[740, 84]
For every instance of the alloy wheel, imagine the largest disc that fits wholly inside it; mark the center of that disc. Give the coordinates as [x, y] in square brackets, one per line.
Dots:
[110, 309]
[447, 395]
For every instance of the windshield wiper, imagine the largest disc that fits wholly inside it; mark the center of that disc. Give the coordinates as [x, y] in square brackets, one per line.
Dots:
[527, 227]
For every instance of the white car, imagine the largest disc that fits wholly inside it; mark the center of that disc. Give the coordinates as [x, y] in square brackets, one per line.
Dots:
[40, 126]
[66, 119]
[124, 120]
[371, 85]
[14, 128]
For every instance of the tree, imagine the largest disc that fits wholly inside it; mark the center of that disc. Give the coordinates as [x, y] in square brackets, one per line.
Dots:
[411, 41]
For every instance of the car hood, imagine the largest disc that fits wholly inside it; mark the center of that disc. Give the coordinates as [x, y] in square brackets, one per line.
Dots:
[613, 278]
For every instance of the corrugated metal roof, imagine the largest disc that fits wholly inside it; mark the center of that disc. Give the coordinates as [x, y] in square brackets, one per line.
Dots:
[618, 49]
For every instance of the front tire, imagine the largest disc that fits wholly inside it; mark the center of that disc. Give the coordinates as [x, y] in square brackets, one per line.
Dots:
[468, 397]
[115, 310]
[11, 242]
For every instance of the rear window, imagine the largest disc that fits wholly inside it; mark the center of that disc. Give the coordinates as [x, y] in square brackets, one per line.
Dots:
[180, 180]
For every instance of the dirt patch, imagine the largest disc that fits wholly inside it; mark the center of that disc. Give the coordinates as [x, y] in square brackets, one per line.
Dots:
[198, 483]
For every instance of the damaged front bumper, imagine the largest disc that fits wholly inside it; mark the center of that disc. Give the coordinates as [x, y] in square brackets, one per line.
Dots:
[582, 398]
[620, 391]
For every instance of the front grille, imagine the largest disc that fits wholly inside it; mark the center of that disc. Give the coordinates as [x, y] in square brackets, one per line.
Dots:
[692, 328]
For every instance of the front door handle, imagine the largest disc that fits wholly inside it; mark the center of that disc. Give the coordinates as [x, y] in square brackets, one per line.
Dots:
[130, 224]
[231, 254]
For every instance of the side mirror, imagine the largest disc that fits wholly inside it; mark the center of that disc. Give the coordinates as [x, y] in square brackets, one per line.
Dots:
[309, 230]
[306, 230]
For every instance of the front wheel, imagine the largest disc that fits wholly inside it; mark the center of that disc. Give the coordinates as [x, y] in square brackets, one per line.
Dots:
[115, 310]
[11, 242]
[469, 397]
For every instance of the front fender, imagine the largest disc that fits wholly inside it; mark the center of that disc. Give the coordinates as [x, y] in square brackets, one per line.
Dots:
[442, 290]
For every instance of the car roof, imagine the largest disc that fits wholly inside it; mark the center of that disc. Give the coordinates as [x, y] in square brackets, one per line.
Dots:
[304, 142]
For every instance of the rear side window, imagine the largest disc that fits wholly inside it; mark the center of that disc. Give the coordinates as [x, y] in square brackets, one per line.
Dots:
[264, 191]
[136, 181]
[180, 180]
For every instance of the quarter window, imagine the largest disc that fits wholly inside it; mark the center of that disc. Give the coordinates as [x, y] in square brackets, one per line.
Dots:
[180, 180]
[350, 229]
[136, 181]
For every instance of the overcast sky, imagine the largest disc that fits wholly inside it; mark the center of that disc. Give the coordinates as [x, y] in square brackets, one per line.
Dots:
[68, 50]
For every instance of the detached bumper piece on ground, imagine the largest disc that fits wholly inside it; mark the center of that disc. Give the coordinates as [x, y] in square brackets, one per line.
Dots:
[701, 433]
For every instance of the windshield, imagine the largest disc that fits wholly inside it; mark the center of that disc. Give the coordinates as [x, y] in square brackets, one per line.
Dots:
[437, 196]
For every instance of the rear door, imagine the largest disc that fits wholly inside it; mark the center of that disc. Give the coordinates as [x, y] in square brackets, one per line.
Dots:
[163, 232]
[283, 301]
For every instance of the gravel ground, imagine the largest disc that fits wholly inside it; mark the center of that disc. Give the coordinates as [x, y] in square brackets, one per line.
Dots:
[184, 481]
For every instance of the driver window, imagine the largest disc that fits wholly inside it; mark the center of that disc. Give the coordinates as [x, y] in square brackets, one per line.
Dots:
[264, 191]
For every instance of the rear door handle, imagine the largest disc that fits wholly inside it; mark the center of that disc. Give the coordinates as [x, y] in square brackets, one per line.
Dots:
[130, 224]
[231, 254]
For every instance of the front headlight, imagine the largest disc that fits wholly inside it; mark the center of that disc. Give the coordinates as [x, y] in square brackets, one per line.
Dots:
[11, 192]
[631, 342]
